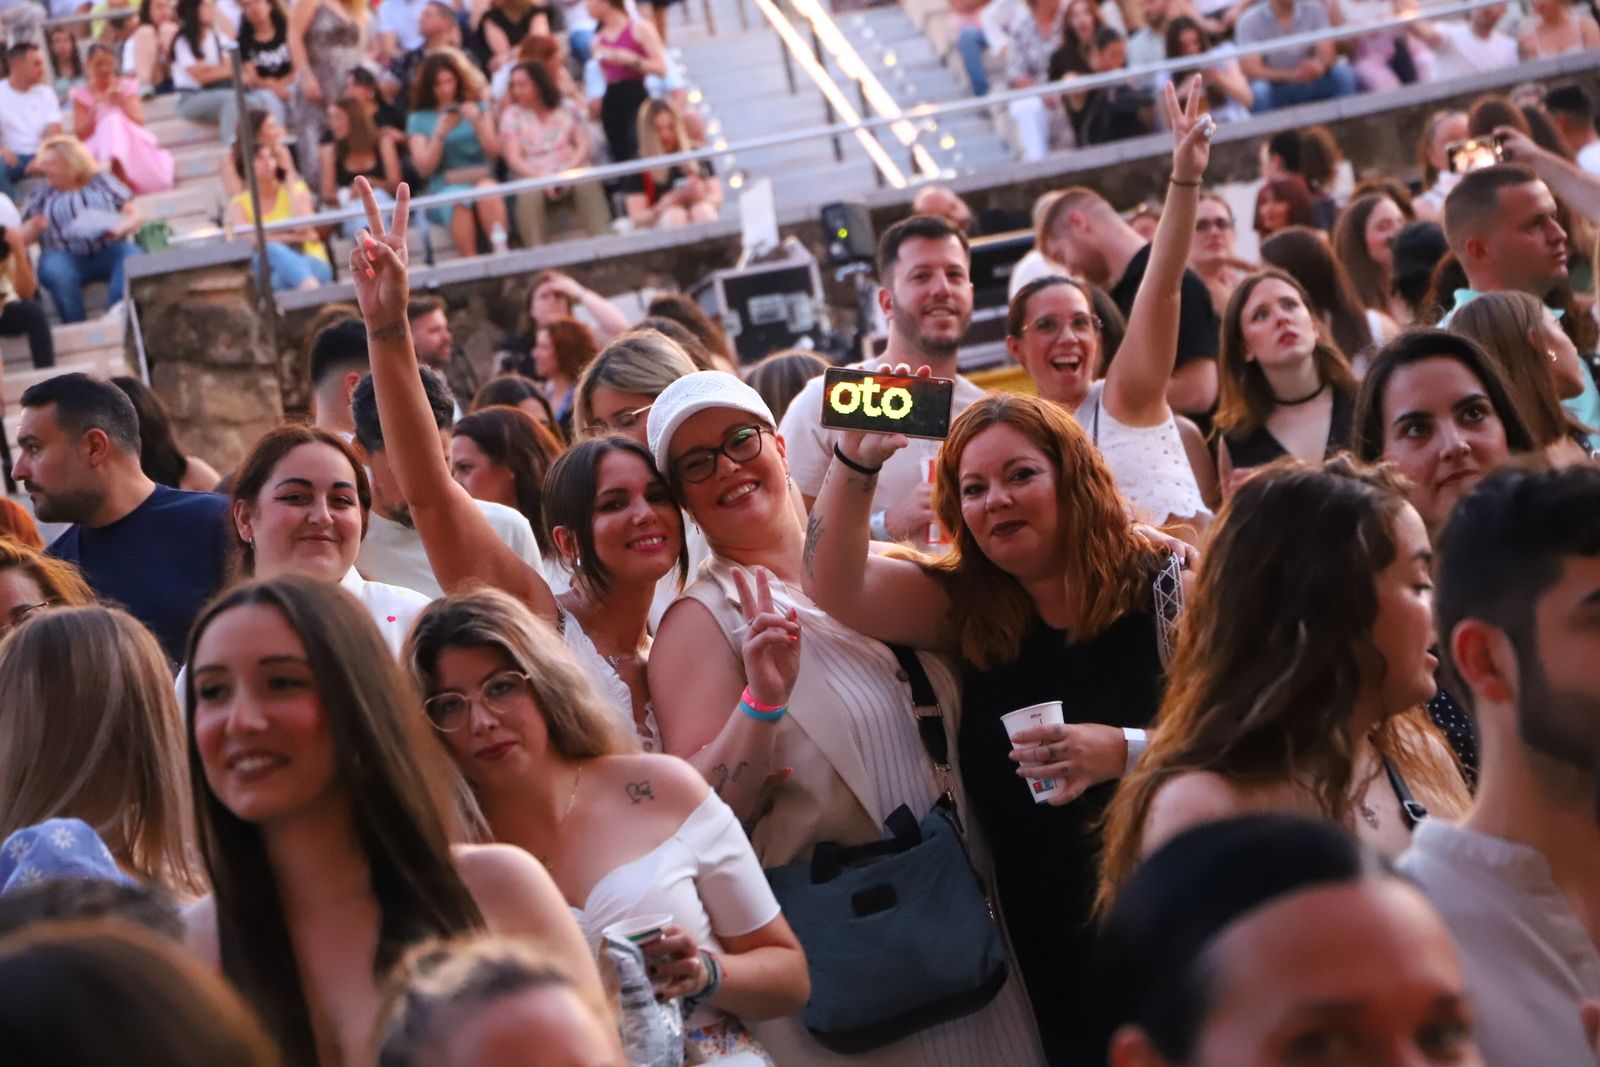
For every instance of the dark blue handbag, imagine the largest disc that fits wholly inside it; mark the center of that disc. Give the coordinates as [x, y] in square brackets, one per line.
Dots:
[898, 934]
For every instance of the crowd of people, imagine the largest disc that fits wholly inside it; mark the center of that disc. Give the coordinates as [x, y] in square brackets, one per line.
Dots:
[609, 709]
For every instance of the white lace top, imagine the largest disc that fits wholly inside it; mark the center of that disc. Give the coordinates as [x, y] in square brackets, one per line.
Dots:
[1149, 462]
[609, 684]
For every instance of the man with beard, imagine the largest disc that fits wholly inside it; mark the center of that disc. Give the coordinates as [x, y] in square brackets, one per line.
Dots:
[926, 294]
[160, 553]
[1518, 881]
[1085, 234]
[436, 346]
[392, 551]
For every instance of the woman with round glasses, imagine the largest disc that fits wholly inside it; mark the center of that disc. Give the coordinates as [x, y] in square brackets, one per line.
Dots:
[606, 511]
[623, 835]
[1052, 330]
[30, 582]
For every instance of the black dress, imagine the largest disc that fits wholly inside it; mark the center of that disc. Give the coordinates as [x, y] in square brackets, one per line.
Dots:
[1046, 858]
[1258, 447]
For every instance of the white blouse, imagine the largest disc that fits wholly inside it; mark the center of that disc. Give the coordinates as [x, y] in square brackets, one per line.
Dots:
[1149, 463]
[705, 876]
[394, 608]
[609, 683]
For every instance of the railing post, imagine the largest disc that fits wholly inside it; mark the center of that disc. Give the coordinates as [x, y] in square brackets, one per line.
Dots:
[711, 19]
[788, 67]
[827, 105]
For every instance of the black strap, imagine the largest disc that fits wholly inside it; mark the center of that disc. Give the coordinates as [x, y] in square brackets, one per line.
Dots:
[1411, 810]
[930, 716]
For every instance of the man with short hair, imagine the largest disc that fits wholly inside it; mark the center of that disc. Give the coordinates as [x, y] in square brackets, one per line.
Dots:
[339, 360]
[159, 552]
[29, 112]
[1572, 110]
[436, 348]
[1296, 74]
[1084, 234]
[943, 203]
[1518, 880]
[392, 551]
[926, 296]
[1501, 224]
[438, 28]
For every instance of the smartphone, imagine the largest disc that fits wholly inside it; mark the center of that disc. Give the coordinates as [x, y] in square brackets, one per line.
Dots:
[1475, 153]
[886, 403]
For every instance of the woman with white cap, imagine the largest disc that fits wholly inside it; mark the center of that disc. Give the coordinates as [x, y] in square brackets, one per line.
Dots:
[813, 740]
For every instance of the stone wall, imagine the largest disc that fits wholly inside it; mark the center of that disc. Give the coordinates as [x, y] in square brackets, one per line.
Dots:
[206, 344]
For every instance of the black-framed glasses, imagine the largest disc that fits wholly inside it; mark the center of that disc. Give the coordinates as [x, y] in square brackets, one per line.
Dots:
[1049, 327]
[742, 445]
[626, 421]
[18, 615]
[449, 712]
[1207, 225]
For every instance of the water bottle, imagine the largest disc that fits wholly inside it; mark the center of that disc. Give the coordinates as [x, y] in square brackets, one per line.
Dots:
[497, 238]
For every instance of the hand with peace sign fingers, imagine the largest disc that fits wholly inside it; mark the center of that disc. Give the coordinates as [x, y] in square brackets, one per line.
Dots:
[378, 263]
[771, 645]
[1137, 381]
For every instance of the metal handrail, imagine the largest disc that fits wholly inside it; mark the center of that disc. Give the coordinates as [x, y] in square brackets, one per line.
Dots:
[917, 114]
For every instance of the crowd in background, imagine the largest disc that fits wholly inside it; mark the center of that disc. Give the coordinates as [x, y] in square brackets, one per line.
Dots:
[594, 704]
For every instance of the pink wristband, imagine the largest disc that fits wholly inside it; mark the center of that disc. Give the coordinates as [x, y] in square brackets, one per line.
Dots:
[765, 709]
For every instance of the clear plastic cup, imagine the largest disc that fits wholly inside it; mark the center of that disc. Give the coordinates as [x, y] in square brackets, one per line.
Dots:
[640, 929]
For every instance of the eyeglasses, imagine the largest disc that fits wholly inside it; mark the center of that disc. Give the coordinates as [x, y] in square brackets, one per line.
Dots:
[449, 712]
[19, 615]
[741, 445]
[1049, 327]
[626, 421]
[1207, 225]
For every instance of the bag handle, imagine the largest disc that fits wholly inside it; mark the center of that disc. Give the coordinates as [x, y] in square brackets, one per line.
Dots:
[829, 858]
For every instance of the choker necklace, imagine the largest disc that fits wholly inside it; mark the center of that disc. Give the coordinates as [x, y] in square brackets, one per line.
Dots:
[1308, 398]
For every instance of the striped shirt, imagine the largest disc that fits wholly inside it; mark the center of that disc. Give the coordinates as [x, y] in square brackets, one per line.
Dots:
[60, 206]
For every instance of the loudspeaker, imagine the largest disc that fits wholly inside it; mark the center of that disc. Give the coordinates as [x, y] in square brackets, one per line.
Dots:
[847, 232]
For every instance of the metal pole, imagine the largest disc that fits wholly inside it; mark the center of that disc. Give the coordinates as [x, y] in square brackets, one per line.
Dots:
[247, 152]
[788, 66]
[711, 19]
[827, 105]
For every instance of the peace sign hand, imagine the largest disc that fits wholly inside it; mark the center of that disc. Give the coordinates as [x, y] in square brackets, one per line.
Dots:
[378, 263]
[771, 646]
[1191, 132]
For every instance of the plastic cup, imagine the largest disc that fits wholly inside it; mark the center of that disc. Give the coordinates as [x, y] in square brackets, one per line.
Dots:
[1047, 714]
[640, 929]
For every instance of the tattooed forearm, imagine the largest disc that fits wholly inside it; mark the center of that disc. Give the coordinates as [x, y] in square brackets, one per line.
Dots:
[394, 331]
[813, 535]
[638, 792]
[723, 776]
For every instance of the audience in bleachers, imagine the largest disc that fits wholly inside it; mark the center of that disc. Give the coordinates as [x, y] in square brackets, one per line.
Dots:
[674, 195]
[108, 117]
[453, 142]
[30, 112]
[296, 258]
[81, 217]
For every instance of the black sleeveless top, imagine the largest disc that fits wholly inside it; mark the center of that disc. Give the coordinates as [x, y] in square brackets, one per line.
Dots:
[1046, 858]
[1259, 447]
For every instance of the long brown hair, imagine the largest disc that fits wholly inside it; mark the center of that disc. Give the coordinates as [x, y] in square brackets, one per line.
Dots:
[1304, 253]
[1367, 276]
[398, 784]
[510, 437]
[1267, 668]
[1108, 570]
[256, 470]
[1244, 397]
[573, 344]
[1505, 324]
[91, 731]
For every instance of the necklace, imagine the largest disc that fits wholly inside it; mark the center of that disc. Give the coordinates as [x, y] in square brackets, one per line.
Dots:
[1308, 398]
[562, 822]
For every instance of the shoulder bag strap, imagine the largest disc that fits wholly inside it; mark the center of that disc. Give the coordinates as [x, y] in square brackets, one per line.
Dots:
[930, 724]
[1411, 810]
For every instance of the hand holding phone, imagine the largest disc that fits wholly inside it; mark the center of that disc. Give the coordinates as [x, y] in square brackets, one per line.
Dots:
[886, 402]
[1475, 153]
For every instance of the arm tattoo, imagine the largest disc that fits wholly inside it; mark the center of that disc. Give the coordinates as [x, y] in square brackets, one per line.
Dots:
[813, 535]
[724, 776]
[394, 331]
[638, 792]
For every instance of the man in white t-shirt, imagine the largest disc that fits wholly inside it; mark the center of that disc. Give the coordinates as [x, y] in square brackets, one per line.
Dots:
[1466, 46]
[926, 295]
[29, 112]
[392, 551]
[399, 28]
[1572, 110]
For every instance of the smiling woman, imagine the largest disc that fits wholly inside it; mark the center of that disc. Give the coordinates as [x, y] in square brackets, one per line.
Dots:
[300, 506]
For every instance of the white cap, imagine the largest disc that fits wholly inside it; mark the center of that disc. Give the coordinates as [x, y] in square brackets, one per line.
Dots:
[692, 394]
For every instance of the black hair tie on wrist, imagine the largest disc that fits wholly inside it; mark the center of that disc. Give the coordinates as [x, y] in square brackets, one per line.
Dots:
[860, 468]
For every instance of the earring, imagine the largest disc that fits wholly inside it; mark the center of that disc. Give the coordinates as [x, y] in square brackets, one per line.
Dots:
[1551, 353]
[577, 563]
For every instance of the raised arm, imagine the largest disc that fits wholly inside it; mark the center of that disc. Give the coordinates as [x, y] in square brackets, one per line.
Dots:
[462, 547]
[1136, 384]
[892, 600]
[1577, 187]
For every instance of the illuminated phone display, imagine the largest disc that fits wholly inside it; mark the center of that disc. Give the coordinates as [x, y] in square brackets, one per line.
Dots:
[886, 403]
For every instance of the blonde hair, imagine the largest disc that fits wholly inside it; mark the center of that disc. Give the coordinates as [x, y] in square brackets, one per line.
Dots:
[581, 725]
[640, 361]
[650, 142]
[73, 153]
[92, 731]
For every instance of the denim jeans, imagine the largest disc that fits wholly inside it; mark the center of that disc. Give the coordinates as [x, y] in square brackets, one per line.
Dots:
[971, 44]
[63, 275]
[1339, 81]
[290, 267]
[11, 175]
